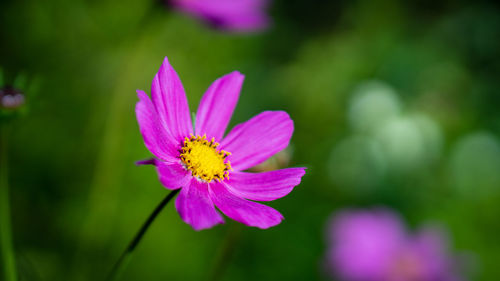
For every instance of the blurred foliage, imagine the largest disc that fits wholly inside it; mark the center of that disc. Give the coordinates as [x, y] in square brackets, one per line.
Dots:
[395, 103]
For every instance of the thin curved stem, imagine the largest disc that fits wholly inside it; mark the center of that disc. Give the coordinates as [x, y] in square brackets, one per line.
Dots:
[126, 255]
[106, 182]
[8, 257]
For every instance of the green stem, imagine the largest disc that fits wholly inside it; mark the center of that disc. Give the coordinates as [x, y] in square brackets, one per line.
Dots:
[127, 254]
[110, 166]
[9, 263]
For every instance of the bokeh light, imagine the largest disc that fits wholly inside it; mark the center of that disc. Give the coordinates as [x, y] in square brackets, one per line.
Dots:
[474, 165]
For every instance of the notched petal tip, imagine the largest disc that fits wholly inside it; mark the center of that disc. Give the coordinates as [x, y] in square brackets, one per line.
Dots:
[166, 66]
[237, 74]
[165, 60]
[265, 186]
[301, 171]
[278, 220]
[244, 211]
[141, 95]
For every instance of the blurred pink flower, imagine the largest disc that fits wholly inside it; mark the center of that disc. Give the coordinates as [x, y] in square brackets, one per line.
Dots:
[374, 246]
[229, 15]
[205, 164]
[11, 98]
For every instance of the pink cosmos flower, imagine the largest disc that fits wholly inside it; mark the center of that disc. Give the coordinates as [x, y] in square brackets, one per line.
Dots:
[207, 166]
[229, 15]
[374, 246]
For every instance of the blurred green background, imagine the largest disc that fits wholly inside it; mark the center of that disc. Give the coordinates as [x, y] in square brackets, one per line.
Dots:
[395, 103]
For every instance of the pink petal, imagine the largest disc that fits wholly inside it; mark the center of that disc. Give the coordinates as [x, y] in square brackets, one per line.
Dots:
[265, 186]
[170, 100]
[364, 243]
[244, 211]
[217, 105]
[259, 138]
[156, 138]
[172, 176]
[230, 15]
[195, 206]
[248, 23]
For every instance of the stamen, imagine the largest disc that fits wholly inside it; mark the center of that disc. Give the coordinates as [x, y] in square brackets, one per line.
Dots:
[205, 162]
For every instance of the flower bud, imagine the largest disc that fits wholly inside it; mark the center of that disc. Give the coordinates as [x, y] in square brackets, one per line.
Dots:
[11, 98]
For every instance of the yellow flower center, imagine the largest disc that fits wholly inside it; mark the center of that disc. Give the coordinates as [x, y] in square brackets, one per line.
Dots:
[202, 158]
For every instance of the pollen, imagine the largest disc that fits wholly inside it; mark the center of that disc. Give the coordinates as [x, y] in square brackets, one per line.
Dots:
[204, 160]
